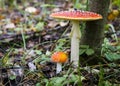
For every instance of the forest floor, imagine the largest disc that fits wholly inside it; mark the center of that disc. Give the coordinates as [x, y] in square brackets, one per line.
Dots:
[29, 36]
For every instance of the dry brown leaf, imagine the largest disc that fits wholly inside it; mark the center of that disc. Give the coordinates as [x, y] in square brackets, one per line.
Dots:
[2, 17]
[10, 25]
[62, 24]
[52, 24]
[32, 10]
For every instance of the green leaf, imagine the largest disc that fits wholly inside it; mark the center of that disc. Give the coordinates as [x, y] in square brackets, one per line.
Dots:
[6, 58]
[38, 84]
[48, 5]
[38, 52]
[12, 77]
[112, 48]
[116, 3]
[112, 56]
[18, 29]
[107, 83]
[82, 51]
[73, 78]
[57, 81]
[118, 47]
[89, 52]
[84, 46]
[60, 44]
[39, 26]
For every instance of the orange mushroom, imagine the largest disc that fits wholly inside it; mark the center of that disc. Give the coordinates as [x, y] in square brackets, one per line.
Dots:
[75, 16]
[59, 57]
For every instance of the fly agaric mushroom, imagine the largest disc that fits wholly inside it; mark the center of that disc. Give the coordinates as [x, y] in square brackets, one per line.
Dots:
[75, 16]
[59, 57]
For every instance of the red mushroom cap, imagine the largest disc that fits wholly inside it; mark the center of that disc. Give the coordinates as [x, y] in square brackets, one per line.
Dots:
[59, 57]
[76, 15]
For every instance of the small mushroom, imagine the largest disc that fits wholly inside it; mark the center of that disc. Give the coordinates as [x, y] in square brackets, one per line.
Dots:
[75, 16]
[59, 57]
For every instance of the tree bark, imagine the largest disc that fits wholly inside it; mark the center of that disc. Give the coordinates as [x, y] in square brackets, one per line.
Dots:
[94, 32]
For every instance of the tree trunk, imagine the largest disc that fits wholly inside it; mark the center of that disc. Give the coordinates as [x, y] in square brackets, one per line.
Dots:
[94, 32]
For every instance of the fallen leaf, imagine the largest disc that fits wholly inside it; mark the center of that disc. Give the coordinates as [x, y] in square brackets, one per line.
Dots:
[2, 17]
[10, 25]
[32, 10]
[52, 24]
[62, 24]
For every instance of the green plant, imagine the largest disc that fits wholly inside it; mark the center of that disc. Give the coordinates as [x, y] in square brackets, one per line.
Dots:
[67, 79]
[101, 77]
[85, 49]
[116, 2]
[110, 52]
[23, 38]
[2, 4]
[5, 59]
[42, 58]
[80, 4]
[60, 44]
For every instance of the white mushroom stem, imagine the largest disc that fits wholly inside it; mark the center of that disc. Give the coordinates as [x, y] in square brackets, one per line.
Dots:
[75, 40]
[58, 68]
